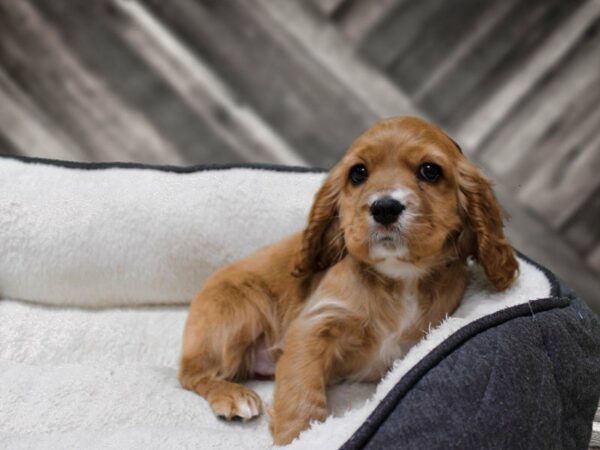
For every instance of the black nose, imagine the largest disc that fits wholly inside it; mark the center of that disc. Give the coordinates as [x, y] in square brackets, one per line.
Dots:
[386, 210]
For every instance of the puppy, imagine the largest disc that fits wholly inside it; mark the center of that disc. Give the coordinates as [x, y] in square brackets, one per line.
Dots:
[382, 259]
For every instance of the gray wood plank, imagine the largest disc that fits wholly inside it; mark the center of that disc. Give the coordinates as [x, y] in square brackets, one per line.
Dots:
[28, 131]
[395, 32]
[200, 87]
[499, 105]
[595, 439]
[40, 62]
[94, 32]
[567, 181]
[491, 63]
[583, 228]
[337, 55]
[6, 146]
[267, 68]
[557, 138]
[450, 32]
[329, 7]
[360, 16]
[594, 259]
[538, 127]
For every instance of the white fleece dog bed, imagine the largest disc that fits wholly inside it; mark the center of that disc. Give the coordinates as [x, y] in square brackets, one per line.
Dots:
[97, 265]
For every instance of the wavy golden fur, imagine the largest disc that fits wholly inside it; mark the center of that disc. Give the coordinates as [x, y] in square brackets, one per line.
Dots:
[348, 295]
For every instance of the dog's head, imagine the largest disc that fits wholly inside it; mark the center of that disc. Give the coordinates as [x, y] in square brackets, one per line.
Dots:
[403, 200]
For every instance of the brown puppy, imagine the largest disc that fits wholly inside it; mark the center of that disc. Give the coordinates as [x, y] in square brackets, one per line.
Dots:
[382, 259]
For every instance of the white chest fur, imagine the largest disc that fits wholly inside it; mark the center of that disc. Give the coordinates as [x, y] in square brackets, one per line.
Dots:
[392, 342]
[392, 345]
[389, 262]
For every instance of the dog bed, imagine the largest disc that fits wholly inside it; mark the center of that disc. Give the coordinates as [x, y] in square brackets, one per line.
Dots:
[98, 263]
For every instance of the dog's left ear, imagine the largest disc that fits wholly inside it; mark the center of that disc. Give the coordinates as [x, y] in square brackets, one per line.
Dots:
[322, 240]
[484, 218]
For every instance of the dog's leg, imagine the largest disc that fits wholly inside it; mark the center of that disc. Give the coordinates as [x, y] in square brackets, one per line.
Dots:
[301, 378]
[224, 324]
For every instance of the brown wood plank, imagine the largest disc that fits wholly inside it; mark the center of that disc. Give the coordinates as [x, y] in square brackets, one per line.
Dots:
[40, 62]
[94, 32]
[453, 98]
[272, 72]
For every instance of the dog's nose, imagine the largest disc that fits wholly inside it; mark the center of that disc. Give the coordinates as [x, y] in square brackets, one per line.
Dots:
[386, 210]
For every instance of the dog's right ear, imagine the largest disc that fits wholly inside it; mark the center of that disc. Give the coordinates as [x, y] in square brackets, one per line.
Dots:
[322, 240]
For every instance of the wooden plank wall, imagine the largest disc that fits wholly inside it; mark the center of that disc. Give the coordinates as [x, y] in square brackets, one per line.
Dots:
[215, 81]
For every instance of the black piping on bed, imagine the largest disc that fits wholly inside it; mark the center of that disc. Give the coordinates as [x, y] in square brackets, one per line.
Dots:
[161, 168]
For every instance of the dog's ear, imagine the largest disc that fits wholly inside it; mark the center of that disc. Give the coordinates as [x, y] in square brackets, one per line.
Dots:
[484, 239]
[322, 240]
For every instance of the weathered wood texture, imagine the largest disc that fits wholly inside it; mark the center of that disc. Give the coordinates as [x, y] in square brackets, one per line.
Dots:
[213, 81]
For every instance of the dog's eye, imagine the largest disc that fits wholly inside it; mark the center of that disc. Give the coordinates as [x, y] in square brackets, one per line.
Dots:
[358, 174]
[429, 172]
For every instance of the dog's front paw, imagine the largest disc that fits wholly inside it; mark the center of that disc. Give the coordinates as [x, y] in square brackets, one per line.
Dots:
[235, 402]
[284, 437]
[284, 430]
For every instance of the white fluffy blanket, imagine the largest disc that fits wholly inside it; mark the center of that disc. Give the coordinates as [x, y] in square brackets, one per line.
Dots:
[96, 267]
